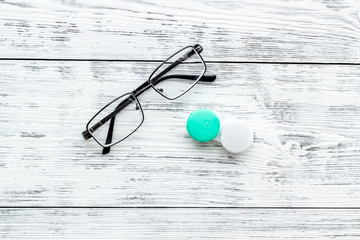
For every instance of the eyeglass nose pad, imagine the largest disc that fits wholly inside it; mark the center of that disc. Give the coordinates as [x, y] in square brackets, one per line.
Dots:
[160, 90]
[137, 107]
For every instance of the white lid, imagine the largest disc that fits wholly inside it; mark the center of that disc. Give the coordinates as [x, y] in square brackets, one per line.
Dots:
[236, 136]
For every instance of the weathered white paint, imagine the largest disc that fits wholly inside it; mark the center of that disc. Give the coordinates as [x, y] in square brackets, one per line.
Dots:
[305, 119]
[229, 30]
[179, 224]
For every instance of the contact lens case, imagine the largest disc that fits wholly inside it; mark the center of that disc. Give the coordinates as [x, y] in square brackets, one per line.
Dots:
[205, 125]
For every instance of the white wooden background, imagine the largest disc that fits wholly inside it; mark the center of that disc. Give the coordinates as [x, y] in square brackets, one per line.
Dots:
[290, 68]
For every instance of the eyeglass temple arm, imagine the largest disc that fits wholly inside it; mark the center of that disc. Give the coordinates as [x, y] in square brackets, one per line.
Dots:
[142, 88]
[205, 78]
[146, 85]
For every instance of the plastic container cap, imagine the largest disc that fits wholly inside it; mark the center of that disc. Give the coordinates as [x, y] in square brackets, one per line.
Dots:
[236, 136]
[203, 125]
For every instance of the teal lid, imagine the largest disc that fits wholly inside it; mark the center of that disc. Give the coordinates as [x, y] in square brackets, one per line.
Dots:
[203, 125]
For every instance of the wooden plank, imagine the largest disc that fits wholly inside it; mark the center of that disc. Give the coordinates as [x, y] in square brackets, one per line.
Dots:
[246, 30]
[305, 118]
[178, 224]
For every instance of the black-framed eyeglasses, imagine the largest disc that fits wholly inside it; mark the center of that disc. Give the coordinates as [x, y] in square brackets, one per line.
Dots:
[124, 115]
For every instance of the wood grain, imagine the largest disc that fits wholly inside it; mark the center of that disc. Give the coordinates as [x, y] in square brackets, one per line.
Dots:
[178, 224]
[299, 180]
[306, 149]
[229, 30]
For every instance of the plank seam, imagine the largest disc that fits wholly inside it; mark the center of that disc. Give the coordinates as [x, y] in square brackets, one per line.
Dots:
[159, 61]
[176, 207]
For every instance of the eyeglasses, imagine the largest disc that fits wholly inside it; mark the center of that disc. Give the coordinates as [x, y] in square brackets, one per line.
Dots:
[124, 115]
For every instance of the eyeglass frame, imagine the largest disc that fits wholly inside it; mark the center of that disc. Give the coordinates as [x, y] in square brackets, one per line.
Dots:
[87, 134]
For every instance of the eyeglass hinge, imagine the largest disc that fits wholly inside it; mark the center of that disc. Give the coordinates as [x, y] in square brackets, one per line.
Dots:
[198, 48]
[86, 135]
